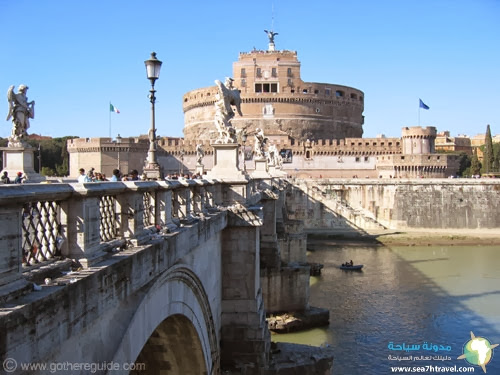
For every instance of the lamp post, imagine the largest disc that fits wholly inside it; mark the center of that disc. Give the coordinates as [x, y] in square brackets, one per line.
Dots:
[181, 166]
[40, 158]
[152, 169]
[244, 140]
[118, 143]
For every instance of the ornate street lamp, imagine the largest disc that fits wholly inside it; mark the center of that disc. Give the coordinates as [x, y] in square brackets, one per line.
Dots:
[152, 169]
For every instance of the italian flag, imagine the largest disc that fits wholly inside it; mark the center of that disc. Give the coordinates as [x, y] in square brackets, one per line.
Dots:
[112, 108]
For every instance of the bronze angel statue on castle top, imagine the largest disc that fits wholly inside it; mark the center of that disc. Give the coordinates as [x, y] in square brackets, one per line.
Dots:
[20, 110]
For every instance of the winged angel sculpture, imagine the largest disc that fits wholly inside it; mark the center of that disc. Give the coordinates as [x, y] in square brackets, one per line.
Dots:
[20, 111]
[226, 98]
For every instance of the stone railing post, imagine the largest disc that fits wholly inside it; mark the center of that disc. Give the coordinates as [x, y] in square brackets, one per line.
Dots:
[165, 208]
[10, 252]
[217, 194]
[198, 198]
[210, 190]
[82, 229]
[182, 195]
[191, 200]
[176, 219]
[131, 212]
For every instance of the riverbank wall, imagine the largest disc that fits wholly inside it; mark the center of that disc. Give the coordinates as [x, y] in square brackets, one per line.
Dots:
[367, 205]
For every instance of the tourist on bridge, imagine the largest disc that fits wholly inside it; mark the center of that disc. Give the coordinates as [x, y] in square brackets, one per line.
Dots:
[19, 178]
[5, 178]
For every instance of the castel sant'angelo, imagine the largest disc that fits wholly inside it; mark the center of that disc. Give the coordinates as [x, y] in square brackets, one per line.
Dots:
[317, 128]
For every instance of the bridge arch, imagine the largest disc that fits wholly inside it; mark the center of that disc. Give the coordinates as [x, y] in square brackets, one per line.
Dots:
[173, 328]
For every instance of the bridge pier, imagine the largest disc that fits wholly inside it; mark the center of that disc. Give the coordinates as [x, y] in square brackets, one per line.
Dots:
[245, 339]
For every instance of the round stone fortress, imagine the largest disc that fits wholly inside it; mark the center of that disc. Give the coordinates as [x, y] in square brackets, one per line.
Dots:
[275, 99]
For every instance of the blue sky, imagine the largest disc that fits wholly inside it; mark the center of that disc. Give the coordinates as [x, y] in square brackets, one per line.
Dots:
[78, 56]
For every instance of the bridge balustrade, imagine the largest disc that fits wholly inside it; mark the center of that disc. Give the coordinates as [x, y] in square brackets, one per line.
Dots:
[41, 223]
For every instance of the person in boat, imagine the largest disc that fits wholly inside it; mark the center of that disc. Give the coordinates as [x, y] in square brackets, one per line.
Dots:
[351, 263]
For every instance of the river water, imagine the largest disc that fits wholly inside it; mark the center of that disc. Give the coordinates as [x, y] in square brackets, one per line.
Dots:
[426, 296]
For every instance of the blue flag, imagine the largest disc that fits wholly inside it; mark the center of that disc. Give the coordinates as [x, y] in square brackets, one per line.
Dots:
[423, 105]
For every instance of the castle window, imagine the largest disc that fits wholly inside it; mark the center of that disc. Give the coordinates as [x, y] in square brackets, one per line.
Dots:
[258, 73]
[339, 94]
[243, 82]
[274, 87]
[304, 91]
[390, 143]
[360, 98]
[353, 96]
[258, 87]
[367, 158]
[265, 87]
[316, 91]
[289, 72]
[318, 111]
[274, 73]
[243, 73]
[357, 159]
[327, 92]
[290, 83]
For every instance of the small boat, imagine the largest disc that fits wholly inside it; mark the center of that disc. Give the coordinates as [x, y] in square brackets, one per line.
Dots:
[351, 268]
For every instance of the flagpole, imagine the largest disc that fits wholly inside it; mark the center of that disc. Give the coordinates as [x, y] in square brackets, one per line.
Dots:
[109, 110]
[419, 115]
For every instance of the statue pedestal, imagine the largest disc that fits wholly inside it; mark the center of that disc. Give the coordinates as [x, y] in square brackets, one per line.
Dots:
[200, 169]
[261, 169]
[20, 159]
[275, 171]
[153, 171]
[226, 162]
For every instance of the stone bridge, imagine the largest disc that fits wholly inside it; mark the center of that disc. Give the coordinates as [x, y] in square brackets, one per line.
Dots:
[150, 277]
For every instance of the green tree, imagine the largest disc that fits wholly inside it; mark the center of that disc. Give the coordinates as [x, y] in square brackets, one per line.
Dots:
[54, 156]
[464, 164]
[489, 156]
[475, 165]
[496, 160]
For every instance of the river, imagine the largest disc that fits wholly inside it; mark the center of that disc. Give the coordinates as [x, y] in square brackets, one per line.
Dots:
[430, 296]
